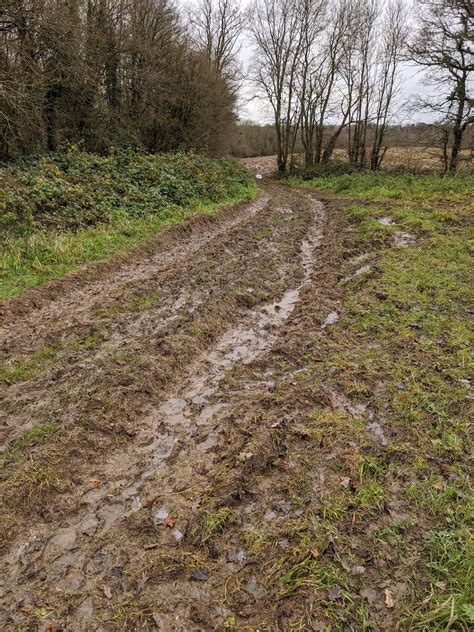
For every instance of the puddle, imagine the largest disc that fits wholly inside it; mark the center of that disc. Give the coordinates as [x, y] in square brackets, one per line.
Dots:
[330, 319]
[360, 258]
[361, 411]
[376, 430]
[362, 270]
[402, 240]
[207, 444]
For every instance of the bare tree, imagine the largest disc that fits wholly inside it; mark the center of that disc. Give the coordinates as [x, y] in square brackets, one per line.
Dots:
[216, 26]
[360, 63]
[388, 59]
[321, 90]
[444, 46]
[276, 32]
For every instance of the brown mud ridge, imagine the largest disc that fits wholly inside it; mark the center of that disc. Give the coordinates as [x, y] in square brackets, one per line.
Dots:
[163, 381]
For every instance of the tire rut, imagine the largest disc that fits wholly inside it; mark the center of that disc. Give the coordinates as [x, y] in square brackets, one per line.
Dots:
[74, 566]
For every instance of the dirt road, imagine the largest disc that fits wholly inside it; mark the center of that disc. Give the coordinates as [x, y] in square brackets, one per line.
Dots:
[147, 387]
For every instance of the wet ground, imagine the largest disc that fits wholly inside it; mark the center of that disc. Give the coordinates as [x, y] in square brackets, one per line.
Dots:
[157, 366]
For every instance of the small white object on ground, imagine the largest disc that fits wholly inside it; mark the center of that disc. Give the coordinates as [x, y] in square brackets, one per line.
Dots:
[331, 318]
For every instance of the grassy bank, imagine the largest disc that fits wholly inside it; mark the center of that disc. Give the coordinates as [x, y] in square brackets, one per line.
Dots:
[62, 210]
[401, 349]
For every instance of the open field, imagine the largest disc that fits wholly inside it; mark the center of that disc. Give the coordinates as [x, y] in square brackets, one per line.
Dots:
[416, 158]
[259, 420]
[412, 159]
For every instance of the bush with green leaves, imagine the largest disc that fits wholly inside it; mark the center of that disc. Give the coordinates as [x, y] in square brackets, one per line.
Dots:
[63, 209]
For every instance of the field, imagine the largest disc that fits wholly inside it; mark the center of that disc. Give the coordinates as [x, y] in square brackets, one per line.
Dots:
[427, 159]
[400, 371]
[259, 419]
[412, 159]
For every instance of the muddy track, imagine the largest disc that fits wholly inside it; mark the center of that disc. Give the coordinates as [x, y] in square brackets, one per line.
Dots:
[154, 368]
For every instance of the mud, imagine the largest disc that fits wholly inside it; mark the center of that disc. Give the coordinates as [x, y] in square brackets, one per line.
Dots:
[145, 413]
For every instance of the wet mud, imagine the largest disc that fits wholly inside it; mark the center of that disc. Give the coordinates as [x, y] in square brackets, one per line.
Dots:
[145, 413]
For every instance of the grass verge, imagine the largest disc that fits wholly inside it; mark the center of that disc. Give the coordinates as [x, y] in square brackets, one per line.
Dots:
[62, 210]
[400, 349]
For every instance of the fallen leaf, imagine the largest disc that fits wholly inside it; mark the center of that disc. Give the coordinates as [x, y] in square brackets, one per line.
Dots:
[275, 424]
[170, 522]
[389, 599]
[438, 486]
[94, 480]
[107, 592]
[315, 553]
[345, 482]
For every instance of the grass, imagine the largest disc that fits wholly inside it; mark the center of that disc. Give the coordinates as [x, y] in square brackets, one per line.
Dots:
[214, 522]
[29, 368]
[41, 360]
[402, 347]
[62, 210]
[20, 447]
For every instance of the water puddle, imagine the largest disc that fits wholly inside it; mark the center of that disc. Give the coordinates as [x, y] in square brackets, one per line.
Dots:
[403, 240]
[365, 269]
[330, 319]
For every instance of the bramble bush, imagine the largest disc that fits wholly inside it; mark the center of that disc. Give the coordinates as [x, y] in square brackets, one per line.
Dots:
[61, 210]
[73, 189]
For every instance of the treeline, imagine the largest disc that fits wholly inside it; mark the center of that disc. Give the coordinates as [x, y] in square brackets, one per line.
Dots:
[116, 73]
[253, 139]
[333, 69]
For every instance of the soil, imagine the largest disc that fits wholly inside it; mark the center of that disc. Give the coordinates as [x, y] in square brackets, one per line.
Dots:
[173, 441]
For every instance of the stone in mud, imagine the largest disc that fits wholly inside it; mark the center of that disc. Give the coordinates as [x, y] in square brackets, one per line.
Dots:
[177, 534]
[159, 515]
[200, 575]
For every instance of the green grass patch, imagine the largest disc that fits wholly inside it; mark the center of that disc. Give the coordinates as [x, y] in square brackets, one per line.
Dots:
[18, 449]
[214, 522]
[62, 210]
[28, 369]
[402, 346]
